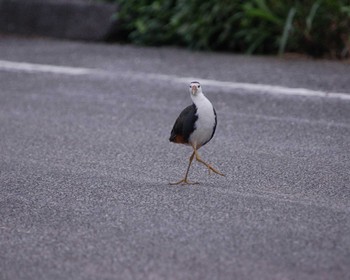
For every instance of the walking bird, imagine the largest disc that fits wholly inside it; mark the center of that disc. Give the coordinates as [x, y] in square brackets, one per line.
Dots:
[195, 126]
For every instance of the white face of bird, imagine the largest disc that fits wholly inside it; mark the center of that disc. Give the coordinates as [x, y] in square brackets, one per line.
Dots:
[195, 88]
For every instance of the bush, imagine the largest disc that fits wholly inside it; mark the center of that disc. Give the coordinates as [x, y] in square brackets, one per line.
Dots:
[324, 28]
[148, 21]
[317, 28]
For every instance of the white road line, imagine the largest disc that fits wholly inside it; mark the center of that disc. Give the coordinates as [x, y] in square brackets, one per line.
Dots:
[264, 88]
[31, 67]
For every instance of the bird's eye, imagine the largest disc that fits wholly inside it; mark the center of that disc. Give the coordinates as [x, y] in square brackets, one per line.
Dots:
[199, 86]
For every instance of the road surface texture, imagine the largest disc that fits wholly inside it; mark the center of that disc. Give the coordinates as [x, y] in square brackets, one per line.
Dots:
[86, 163]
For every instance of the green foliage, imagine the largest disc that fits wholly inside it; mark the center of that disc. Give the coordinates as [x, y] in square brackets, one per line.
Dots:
[207, 24]
[318, 28]
[261, 25]
[324, 28]
[148, 21]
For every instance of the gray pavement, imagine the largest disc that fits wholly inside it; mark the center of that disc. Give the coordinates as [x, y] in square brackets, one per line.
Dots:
[85, 165]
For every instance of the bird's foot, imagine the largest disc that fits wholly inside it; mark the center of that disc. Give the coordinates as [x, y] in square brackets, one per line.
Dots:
[184, 181]
[210, 168]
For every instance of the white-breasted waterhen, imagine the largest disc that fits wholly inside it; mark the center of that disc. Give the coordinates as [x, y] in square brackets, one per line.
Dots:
[195, 126]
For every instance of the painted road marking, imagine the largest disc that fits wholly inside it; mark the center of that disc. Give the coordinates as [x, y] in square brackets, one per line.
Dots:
[31, 67]
[265, 88]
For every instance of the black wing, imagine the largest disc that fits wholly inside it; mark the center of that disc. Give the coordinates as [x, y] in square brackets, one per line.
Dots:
[184, 125]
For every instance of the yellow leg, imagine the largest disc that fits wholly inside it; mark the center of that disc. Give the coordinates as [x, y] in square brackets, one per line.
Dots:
[210, 168]
[184, 180]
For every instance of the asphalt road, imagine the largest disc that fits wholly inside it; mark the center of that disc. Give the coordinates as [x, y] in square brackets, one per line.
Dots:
[85, 164]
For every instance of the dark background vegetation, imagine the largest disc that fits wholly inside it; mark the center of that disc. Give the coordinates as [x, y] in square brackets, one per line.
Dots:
[318, 28]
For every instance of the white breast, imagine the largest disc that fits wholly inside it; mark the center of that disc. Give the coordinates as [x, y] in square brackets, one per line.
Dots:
[205, 123]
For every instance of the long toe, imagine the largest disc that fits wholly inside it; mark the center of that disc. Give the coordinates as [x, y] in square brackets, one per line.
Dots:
[214, 170]
[184, 182]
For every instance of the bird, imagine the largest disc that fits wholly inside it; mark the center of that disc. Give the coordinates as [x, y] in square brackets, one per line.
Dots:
[195, 127]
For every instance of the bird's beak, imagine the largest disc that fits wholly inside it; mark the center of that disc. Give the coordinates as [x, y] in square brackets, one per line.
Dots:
[194, 89]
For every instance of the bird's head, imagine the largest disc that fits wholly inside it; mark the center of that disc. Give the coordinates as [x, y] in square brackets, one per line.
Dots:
[195, 88]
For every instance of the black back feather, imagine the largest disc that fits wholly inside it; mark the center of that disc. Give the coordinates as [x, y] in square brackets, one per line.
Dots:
[184, 124]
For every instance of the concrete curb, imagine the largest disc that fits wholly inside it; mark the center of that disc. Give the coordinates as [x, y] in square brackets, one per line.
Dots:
[67, 19]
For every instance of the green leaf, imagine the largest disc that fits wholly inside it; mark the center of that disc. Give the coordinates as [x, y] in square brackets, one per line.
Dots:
[286, 30]
[311, 16]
